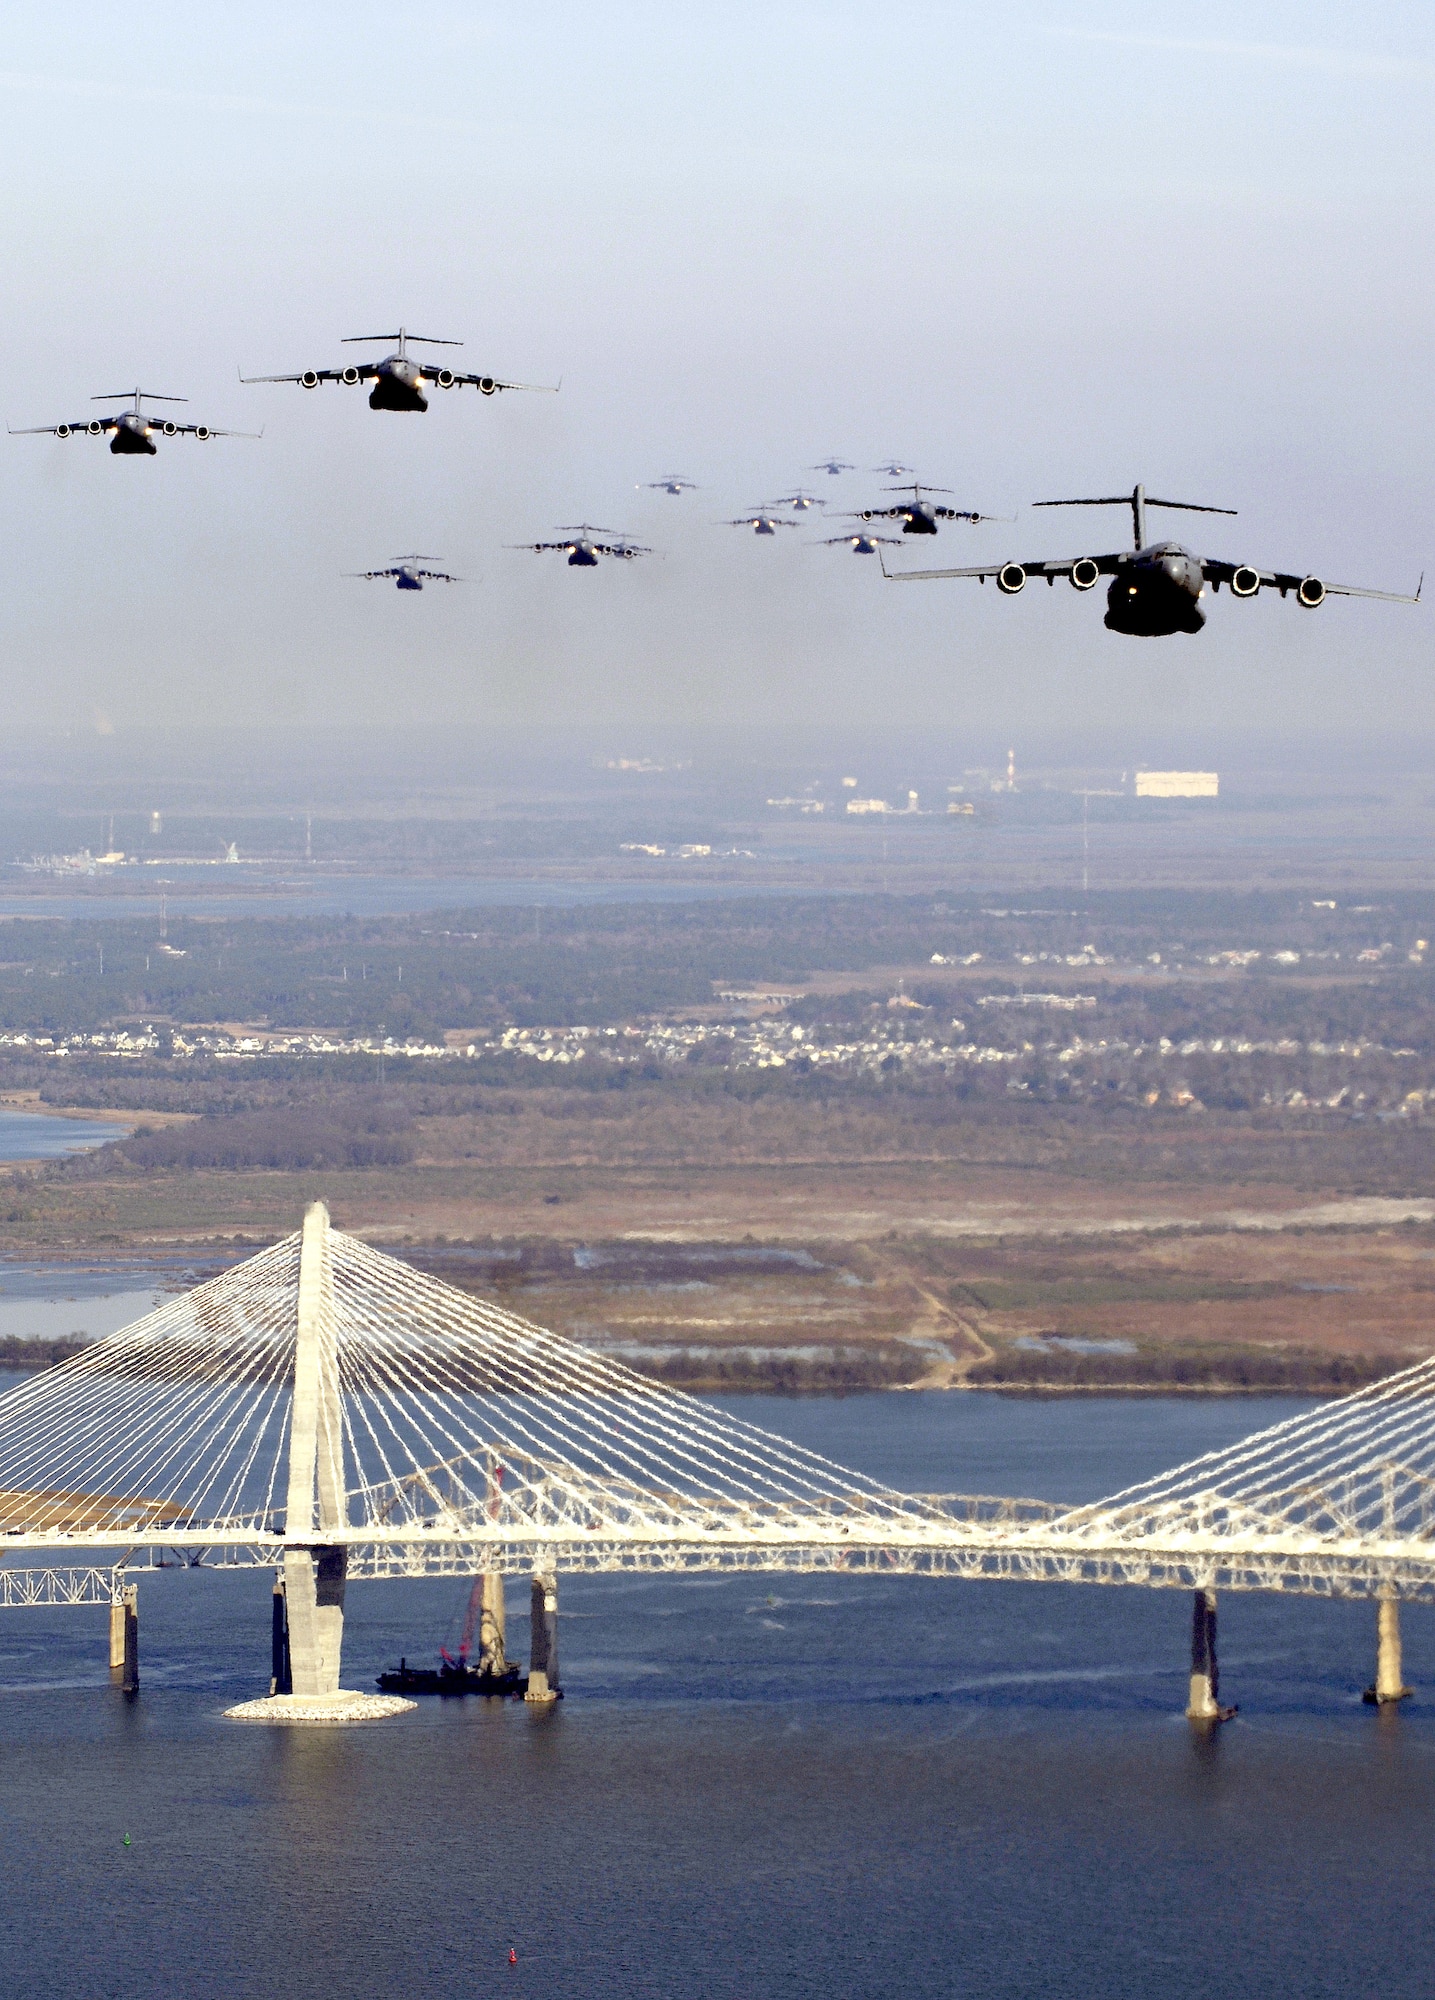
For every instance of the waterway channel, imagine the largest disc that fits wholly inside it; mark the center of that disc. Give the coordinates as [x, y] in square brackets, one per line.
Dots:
[779, 1786]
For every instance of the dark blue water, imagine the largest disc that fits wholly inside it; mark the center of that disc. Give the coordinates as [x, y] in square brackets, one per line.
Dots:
[756, 1785]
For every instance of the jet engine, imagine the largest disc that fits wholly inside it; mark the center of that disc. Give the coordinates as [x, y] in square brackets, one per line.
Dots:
[202, 431]
[1245, 581]
[1010, 578]
[170, 427]
[1084, 574]
[1311, 592]
[868, 514]
[350, 375]
[309, 379]
[486, 385]
[64, 431]
[445, 378]
[95, 427]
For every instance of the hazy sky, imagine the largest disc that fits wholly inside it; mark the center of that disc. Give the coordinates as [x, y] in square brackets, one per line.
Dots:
[1033, 249]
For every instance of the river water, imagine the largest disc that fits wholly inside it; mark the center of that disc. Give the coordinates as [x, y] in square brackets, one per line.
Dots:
[756, 1786]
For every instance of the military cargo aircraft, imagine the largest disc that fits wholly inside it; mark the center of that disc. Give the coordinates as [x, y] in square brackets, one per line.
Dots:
[894, 469]
[580, 548]
[861, 545]
[799, 501]
[673, 482]
[407, 573]
[132, 432]
[919, 516]
[399, 379]
[1156, 587]
[835, 466]
[760, 521]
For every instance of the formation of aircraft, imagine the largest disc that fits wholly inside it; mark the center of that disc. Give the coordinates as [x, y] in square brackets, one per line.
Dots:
[399, 379]
[407, 573]
[132, 432]
[917, 515]
[581, 549]
[1156, 587]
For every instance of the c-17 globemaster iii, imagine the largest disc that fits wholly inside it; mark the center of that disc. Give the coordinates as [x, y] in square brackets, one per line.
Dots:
[919, 516]
[399, 379]
[407, 572]
[1156, 587]
[132, 432]
[581, 548]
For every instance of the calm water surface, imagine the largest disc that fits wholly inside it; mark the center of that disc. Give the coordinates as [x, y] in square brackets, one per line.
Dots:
[756, 1786]
[33, 1135]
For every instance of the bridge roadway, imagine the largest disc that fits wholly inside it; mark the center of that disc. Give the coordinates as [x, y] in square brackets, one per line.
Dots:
[976, 1538]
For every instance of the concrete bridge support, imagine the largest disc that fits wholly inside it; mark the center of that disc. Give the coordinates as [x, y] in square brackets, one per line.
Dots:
[281, 1678]
[125, 1639]
[1204, 1704]
[315, 1569]
[1389, 1685]
[492, 1637]
[543, 1680]
[314, 1575]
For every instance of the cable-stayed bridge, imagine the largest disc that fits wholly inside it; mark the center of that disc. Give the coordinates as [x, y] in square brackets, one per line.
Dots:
[326, 1411]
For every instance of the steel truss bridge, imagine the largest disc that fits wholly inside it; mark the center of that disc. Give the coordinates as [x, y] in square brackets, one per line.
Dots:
[327, 1412]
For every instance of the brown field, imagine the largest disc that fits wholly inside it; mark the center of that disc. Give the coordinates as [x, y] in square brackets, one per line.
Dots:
[959, 1253]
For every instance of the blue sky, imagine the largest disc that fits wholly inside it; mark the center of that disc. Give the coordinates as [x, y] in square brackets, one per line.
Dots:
[1032, 249]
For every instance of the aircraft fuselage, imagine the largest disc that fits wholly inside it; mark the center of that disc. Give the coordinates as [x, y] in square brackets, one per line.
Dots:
[131, 437]
[406, 580]
[1157, 593]
[398, 385]
[920, 519]
[582, 555]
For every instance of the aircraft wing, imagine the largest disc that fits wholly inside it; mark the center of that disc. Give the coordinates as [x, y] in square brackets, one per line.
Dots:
[1060, 566]
[370, 575]
[539, 548]
[627, 550]
[433, 575]
[363, 369]
[1216, 572]
[61, 430]
[487, 384]
[208, 431]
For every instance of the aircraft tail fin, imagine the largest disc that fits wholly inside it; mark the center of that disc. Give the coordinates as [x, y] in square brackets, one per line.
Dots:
[1138, 501]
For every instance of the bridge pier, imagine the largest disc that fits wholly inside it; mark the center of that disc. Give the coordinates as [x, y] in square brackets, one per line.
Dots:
[1389, 1685]
[281, 1676]
[1204, 1704]
[543, 1684]
[492, 1636]
[315, 1569]
[125, 1640]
